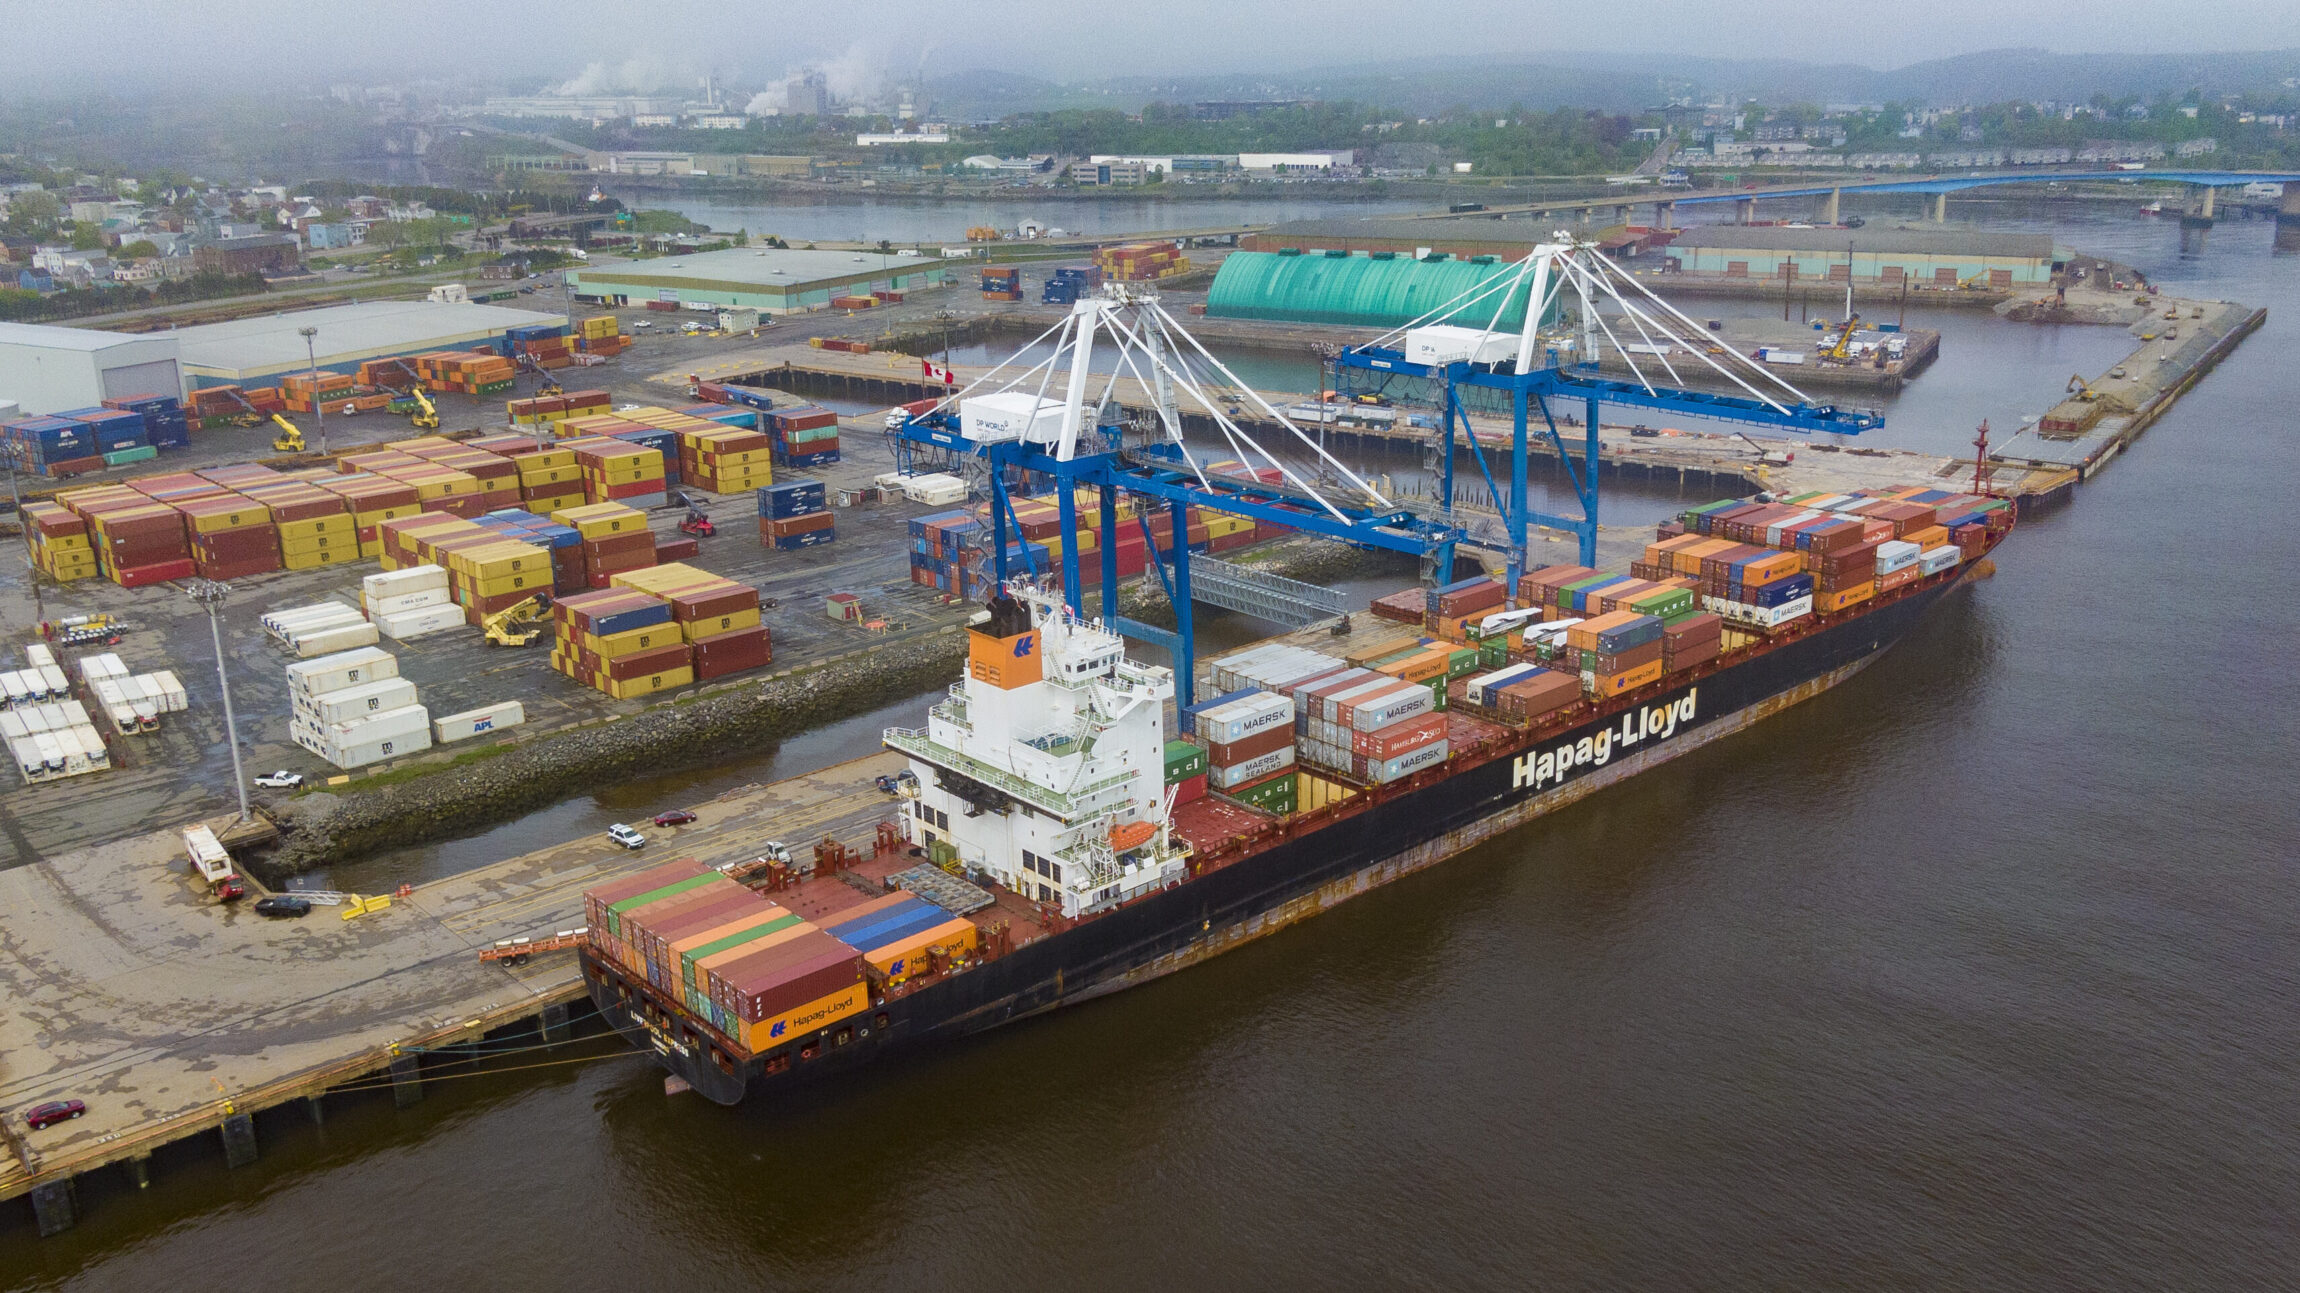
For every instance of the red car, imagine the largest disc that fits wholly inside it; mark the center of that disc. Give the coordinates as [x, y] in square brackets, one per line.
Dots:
[53, 1112]
[675, 817]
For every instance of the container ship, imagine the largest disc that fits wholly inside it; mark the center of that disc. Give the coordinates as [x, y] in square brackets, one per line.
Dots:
[1065, 831]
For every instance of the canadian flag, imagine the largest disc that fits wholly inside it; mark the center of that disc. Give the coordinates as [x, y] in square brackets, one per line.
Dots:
[937, 373]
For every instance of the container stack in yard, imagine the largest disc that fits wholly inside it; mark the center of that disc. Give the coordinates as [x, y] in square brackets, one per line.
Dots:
[1139, 262]
[123, 430]
[1001, 283]
[346, 708]
[48, 733]
[791, 510]
[657, 629]
[473, 372]
[553, 409]
[805, 436]
[410, 602]
[489, 568]
[618, 471]
[601, 334]
[322, 628]
[61, 547]
[609, 539]
[134, 702]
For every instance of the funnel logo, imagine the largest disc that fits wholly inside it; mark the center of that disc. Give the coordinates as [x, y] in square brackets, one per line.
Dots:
[1651, 722]
[1022, 645]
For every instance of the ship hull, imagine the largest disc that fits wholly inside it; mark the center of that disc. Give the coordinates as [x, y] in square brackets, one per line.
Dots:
[1294, 878]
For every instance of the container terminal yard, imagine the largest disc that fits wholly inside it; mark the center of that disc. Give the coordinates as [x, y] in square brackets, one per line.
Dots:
[402, 986]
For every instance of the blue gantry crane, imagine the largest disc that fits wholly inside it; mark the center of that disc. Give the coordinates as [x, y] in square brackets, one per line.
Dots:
[1027, 422]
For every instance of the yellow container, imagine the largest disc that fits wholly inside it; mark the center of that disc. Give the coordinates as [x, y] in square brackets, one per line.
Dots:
[1845, 597]
[314, 560]
[546, 504]
[599, 520]
[650, 684]
[340, 524]
[767, 1034]
[68, 543]
[372, 548]
[363, 520]
[521, 581]
[727, 623]
[305, 545]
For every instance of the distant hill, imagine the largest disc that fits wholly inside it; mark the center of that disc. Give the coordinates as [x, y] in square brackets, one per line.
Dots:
[1625, 82]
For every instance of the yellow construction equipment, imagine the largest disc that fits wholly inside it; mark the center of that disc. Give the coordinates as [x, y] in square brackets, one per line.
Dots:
[1844, 344]
[515, 626]
[426, 417]
[290, 437]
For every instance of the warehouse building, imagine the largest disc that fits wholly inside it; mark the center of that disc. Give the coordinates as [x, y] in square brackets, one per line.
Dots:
[1463, 239]
[48, 370]
[769, 279]
[1931, 257]
[258, 352]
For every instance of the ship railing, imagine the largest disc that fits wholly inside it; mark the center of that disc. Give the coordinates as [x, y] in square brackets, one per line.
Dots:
[913, 741]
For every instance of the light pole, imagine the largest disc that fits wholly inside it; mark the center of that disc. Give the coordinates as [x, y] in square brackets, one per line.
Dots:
[210, 595]
[319, 406]
[31, 559]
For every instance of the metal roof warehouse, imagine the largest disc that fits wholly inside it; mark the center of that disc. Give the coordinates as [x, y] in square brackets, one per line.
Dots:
[766, 278]
[1927, 255]
[257, 352]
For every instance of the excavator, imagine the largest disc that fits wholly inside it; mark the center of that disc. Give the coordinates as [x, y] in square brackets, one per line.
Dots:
[290, 437]
[518, 625]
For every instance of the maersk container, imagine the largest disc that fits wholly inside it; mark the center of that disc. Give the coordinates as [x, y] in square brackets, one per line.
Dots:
[1255, 712]
[1935, 560]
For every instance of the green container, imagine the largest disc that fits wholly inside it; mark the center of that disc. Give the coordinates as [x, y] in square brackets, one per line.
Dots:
[1663, 602]
[1462, 663]
[122, 457]
[1276, 795]
[633, 903]
[1184, 760]
[942, 853]
[493, 388]
[1494, 654]
[1437, 692]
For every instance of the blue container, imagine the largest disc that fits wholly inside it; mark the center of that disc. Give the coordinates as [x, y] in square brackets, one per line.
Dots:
[638, 617]
[894, 932]
[751, 398]
[793, 542]
[790, 498]
[1782, 591]
[805, 460]
[1630, 636]
[1187, 719]
[855, 929]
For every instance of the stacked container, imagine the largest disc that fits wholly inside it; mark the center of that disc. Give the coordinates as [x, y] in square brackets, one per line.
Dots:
[51, 446]
[717, 616]
[752, 971]
[1001, 283]
[725, 459]
[622, 642]
[410, 602]
[902, 935]
[1372, 727]
[61, 548]
[323, 628]
[481, 372]
[805, 436]
[1249, 738]
[305, 392]
[613, 538]
[137, 541]
[348, 731]
[1186, 771]
[617, 471]
[792, 512]
[1138, 262]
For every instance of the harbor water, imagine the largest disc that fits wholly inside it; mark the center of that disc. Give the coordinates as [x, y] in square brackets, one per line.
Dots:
[1978, 971]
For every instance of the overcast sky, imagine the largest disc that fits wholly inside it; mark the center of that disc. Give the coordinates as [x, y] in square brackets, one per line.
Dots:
[62, 44]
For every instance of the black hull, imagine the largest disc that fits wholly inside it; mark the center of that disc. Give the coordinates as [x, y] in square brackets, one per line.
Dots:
[1297, 877]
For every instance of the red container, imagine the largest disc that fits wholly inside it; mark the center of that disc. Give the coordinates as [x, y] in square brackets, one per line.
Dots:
[144, 551]
[1398, 738]
[679, 549]
[236, 569]
[158, 572]
[639, 664]
[721, 654]
[616, 545]
[785, 527]
[1190, 790]
[1251, 747]
[636, 489]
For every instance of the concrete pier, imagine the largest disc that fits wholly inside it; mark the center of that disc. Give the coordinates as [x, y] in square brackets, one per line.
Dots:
[174, 1016]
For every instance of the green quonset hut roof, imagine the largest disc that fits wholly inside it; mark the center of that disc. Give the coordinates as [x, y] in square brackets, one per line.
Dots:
[1357, 291]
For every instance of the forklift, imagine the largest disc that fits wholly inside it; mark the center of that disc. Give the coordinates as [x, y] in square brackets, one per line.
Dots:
[290, 437]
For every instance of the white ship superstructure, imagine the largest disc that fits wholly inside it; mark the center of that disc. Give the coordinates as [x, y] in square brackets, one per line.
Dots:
[1042, 771]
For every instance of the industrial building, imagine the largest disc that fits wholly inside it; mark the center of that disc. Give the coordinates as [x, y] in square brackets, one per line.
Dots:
[1379, 290]
[1933, 257]
[258, 352]
[48, 370]
[1461, 239]
[764, 278]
